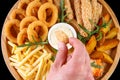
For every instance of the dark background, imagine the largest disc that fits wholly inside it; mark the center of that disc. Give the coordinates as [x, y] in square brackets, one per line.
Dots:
[5, 6]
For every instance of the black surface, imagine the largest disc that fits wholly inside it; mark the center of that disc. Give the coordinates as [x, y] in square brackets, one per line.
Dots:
[5, 6]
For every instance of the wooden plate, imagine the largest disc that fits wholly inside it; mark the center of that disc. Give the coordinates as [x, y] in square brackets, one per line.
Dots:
[115, 54]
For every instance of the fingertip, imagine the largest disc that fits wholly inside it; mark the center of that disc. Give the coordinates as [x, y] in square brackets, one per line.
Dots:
[61, 45]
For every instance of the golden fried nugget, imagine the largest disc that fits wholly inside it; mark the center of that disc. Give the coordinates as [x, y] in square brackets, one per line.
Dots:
[61, 36]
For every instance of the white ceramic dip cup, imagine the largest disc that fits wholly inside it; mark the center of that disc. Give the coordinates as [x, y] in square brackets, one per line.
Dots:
[66, 28]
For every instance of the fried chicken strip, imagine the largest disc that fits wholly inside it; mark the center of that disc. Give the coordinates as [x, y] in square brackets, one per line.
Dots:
[97, 10]
[77, 6]
[78, 14]
[86, 14]
[69, 10]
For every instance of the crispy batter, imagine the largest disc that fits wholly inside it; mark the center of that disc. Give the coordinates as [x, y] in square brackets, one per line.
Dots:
[26, 21]
[23, 4]
[17, 14]
[37, 30]
[12, 30]
[86, 13]
[22, 36]
[97, 10]
[42, 13]
[77, 6]
[78, 14]
[32, 8]
[57, 3]
[69, 10]
[44, 1]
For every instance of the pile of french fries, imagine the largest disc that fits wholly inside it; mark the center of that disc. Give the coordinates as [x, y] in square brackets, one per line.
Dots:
[31, 63]
[101, 49]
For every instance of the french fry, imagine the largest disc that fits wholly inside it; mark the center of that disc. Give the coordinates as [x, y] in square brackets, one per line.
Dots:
[39, 75]
[27, 52]
[32, 63]
[102, 55]
[13, 60]
[44, 68]
[30, 54]
[13, 46]
[18, 49]
[91, 44]
[21, 73]
[108, 44]
[33, 70]
[38, 60]
[113, 32]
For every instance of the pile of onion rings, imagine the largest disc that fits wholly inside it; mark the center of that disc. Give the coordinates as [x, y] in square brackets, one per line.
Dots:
[26, 21]
[39, 29]
[42, 13]
[32, 8]
[22, 36]
[12, 30]
[29, 20]
[17, 14]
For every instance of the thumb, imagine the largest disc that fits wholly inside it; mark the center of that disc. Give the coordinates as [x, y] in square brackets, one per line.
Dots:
[61, 56]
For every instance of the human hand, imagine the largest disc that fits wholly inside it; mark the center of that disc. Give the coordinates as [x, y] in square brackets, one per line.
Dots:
[71, 67]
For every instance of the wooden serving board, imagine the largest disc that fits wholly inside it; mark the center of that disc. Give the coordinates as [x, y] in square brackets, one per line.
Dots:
[115, 55]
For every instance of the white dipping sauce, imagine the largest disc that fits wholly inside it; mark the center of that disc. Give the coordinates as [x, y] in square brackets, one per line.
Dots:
[66, 28]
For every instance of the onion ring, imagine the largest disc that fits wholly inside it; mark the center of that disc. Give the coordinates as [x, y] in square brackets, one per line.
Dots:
[12, 30]
[32, 8]
[37, 29]
[44, 1]
[23, 4]
[22, 36]
[17, 14]
[42, 13]
[26, 21]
